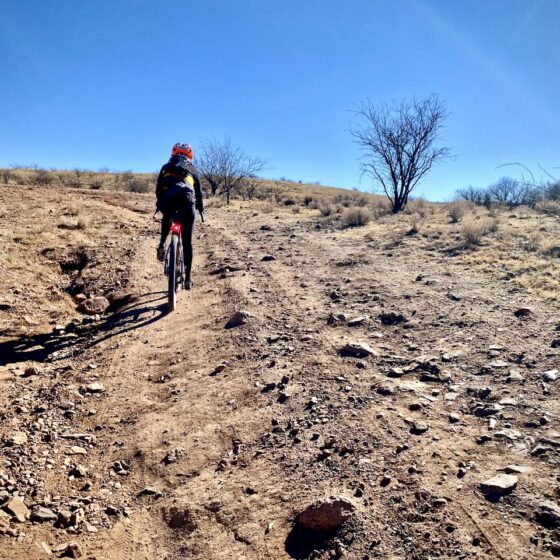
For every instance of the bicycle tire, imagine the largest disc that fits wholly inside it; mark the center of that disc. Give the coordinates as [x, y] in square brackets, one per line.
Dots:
[172, 274]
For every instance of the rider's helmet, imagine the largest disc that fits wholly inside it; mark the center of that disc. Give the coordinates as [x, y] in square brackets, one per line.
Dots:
[183, 149]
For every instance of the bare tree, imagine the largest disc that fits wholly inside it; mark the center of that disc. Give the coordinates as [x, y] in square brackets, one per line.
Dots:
[399, 143]
[474, 194]
[226, 167]
[510, 192]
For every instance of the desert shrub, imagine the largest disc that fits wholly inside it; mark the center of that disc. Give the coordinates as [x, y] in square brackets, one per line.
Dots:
[418, 206]
[510, 192]
[41, 177]
[549, 207]
[457, 210]
[138, 185]
[380, 206]
[415, 225]
[73, 209]
[6, 175]
[268, 208]
[83, 222]
[552, 191]
[96, 183]
[325, 208]
[307, 199]
[296, 209]
[473, 231]
[288, 201]
[472, 194]
[356, 216]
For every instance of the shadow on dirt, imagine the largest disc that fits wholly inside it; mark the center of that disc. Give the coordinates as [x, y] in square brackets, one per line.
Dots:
[143, 311]
[301, 543]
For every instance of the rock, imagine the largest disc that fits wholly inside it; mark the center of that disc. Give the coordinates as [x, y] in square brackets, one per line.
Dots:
[499, 485]
[515, 377]
[16, 507]
[508, 433]
[357, 350]
[69, 550]
[356, 322]
[94, 306]
[18, 438]
[392, 318]
[454, 297]
[385, 390]
[497, 364]
[555, 343]
[326, 515]
[453, 418]
[548, 515]
[43, 514]
[550, 376]
[523, 312]
[336, 318]
[218, 369]
[112, 511]
[516, 469]
[268, 258]
[418, 428]
[173, 456]
[148, 491]
[237, 319]
[96, 387]
[77, 450]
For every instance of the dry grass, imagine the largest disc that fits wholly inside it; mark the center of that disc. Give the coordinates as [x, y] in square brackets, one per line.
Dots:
[325, 208]
[84, 222]
[356, 216]
[457, 210]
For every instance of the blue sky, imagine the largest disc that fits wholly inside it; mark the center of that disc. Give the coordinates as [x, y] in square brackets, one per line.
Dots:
[115, 84]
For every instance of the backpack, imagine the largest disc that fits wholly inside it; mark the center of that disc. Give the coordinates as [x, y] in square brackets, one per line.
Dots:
[179, 166]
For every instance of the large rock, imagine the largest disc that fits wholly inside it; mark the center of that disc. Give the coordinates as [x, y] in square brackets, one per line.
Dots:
[94, 305]
[357, 350]
[326, 515]
[548, 515]
[499, 484]
[237, 319]
[42, 514]
[16, 507]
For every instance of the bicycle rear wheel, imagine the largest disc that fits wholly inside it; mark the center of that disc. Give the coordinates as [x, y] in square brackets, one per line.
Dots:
[172, 273]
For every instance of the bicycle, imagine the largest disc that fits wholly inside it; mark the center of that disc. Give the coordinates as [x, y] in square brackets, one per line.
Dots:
[174, 262]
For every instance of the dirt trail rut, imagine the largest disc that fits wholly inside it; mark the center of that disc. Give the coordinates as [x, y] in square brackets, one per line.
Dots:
[229, 433]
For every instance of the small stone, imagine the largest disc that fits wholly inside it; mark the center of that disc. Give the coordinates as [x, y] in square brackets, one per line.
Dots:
[548, 515]
[18, 438]
[16, 507]
[43, 514]
[550, 376]
[453, 418]
[357, 350]
[173, 455]
[77, 450]
[94, 306]
[237, 319]
[268, 258]
[356, 322]
[70, 550]
[95, 387]
[218, 369]
[499, 485]
[148, 491]
[523, 312]
[326, 515]
[418, 428]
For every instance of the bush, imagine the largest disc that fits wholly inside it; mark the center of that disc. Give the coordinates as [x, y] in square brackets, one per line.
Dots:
[416, 225]
[473, 232]
[307, 199]
[457, 210]
[418, 206]
[289, 201]
[83, 222]
[96, 183]
[549, 207]
[6, 175]
[325, 208]
[137, 185]
[380, 206]
[356, 216]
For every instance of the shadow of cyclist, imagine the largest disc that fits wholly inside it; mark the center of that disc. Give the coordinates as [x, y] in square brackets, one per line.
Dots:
[138, 313]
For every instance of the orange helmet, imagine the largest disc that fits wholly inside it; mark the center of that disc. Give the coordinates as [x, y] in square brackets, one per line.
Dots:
[183, 149]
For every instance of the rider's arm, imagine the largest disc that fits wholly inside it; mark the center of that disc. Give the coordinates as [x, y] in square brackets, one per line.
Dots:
[198, 192]
[160, 183]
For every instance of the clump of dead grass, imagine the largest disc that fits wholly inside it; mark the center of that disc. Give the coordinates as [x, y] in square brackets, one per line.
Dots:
[457, 210]
[325, 207]
[474, 230]
[356, 216]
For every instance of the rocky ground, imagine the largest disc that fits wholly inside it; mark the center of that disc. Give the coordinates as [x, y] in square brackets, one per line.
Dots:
[377, 392]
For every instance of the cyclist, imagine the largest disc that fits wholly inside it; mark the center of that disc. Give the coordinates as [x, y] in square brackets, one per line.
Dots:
[179, 190]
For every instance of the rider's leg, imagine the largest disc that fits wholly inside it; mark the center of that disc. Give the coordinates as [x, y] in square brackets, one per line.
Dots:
[165, 226]
[188, 228]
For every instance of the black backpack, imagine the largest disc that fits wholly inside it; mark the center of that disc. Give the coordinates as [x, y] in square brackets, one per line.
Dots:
[179, 165]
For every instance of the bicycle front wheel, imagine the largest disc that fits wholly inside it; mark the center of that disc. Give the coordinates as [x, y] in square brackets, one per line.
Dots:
[172, 273]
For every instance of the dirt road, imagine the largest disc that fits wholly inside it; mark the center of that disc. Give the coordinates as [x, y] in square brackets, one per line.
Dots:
[209, 441]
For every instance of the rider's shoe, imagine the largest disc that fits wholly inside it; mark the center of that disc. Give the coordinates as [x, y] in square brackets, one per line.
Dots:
[160, 253]
[188, 284]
